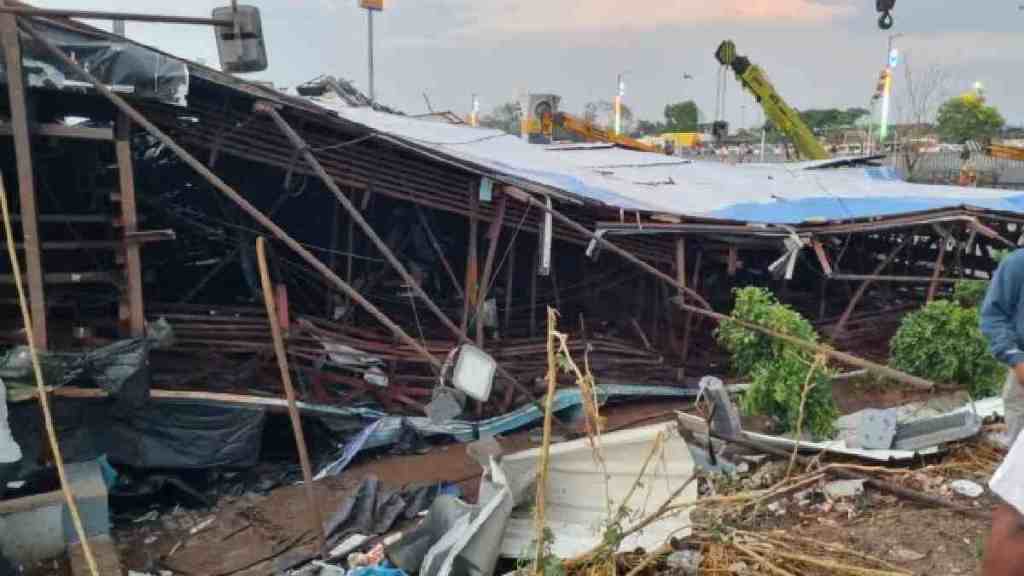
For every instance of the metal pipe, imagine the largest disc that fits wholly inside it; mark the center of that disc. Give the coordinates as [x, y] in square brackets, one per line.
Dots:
[310, 158]
[705, 309]
[234, 196]
[315, 516]
[121, 16]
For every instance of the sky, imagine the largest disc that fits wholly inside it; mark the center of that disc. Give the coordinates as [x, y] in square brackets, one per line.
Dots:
[818, 53]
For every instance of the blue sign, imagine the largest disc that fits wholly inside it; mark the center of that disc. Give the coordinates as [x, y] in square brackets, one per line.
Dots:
[894, 58]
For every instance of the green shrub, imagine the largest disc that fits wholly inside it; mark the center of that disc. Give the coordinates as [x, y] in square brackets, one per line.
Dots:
[943, 342]
[778, 370]
[970, 293]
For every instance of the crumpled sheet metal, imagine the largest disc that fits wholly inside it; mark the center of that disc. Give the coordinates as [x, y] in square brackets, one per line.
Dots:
[576, 508]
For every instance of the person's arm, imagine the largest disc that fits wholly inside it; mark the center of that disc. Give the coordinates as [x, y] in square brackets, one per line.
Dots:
[999, 311]
[1004, 550]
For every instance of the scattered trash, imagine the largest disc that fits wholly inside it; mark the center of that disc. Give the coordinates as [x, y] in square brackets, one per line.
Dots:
[371, 558]
[839, 489]
[967, 488]
[685, 562]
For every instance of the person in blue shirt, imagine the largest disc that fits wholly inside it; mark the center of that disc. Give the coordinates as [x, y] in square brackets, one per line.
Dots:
[1002, 322]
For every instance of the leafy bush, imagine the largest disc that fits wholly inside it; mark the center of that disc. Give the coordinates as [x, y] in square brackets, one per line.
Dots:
[778, 370]
[969, 293]
[943, 342]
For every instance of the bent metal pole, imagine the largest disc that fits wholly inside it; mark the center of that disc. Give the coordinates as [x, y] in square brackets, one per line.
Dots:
[303, 148]
[258, 216]
[235, 197]
[705, 309]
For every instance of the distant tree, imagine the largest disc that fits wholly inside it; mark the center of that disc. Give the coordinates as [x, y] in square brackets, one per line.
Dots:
[923, 89]
[827, 119]
[648, 128]
[505, 117]
[967, 117]
[682, 117]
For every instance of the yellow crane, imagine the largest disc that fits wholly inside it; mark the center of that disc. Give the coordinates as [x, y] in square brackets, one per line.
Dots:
[542, 116]
[781, 114]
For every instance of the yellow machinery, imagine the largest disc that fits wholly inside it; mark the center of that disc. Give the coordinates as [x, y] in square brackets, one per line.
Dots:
[784, 117]
[542, 117]
[1005, 152]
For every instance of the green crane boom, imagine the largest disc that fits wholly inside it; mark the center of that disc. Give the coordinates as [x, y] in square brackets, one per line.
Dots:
[782, 115]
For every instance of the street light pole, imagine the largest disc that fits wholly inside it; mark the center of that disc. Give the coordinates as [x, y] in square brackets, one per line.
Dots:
[369, 36]
[618, 104]
[892, 58]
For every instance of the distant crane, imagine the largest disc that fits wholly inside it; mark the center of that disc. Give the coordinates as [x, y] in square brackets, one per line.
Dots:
[781, 114]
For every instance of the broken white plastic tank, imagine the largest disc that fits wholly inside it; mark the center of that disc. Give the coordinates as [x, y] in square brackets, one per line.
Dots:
[10, 451]
[474, 372]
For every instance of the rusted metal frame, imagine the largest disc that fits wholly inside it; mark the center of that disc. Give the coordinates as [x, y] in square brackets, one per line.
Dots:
[268, 109]
[62, 131]
[26, 177]
[688, 321]
[313, 510]
[933, 284]
[193, 137]
[704, 309]
[530, 224]
[127, 16]
[232, 194]
[472, 281]
[228, 259]
[255, 132]
[819, 251]
[436, 245]
[332, 255]
[509, 278]
[493, 235]
[129, 220]
[862, 289]
[533, 289]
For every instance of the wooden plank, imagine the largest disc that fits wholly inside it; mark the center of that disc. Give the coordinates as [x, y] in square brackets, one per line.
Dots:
[493, 235]
[99, 277]
[472, 267]
[26, 177]
[129, 218]
[62, 131]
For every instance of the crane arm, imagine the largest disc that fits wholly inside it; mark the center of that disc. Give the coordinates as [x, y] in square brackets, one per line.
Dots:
[781, 114]
[1005, 152]
[591, 132]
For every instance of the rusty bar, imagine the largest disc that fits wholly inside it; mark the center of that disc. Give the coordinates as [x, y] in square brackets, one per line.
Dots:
[533, 289]
[26, 176]
[933, 284]
[493, 235]
[705, 309]
[509, 277]
[332, 256]
[864, 286]
[299, 144]
[315, 517]
[436, 244]
[126, 16]
[688, 321]
[234, 196]
[129, 219]
[819, 251]
[472, 272]
[892, 279]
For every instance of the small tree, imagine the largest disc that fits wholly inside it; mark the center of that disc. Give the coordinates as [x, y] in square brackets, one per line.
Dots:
[967, 117]
[779, 371]
[682, 116]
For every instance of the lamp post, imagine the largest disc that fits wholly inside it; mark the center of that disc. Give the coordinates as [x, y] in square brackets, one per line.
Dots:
[618, 103]
[371, 6]
[474, 116]
[893, 56]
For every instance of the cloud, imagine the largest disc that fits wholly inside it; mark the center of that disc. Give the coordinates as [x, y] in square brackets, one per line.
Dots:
[641, 15]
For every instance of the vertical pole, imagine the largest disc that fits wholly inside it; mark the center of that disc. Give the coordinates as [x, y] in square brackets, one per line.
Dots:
[533, 288]
[681, 277]
[493, 234]
[934, 284]
[509, 277]
[332, 257]
[472, 273]
[26, 178]
[119, 27]
[369, 36]
[293, 412]
[129, 219]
